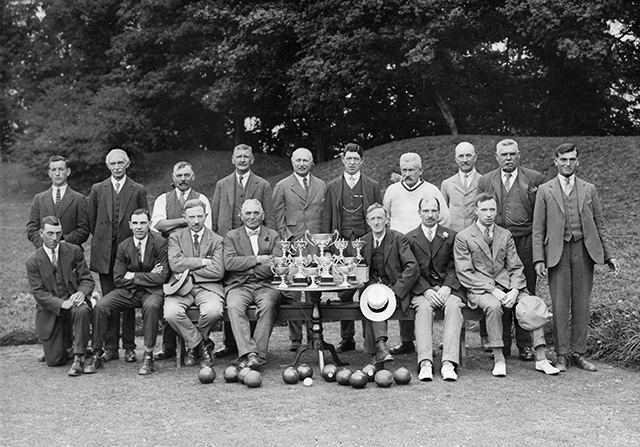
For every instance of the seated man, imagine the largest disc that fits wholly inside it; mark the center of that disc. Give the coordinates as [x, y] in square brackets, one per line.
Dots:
[247, 253]
[489, 268]
[61, 284]
[199, 250]
[437, 288]
[392, 263]
[140, 270]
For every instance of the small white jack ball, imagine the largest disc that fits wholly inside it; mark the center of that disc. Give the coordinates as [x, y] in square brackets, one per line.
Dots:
[308, 381]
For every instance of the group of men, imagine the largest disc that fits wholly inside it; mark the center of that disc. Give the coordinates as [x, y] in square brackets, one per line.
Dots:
[478, 241]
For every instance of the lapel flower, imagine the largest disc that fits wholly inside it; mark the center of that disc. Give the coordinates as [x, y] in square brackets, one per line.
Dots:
[267, 238]
[445, 235]
[533, 189]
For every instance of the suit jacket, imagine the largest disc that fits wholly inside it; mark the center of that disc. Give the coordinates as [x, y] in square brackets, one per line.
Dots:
[224, 195]
[133, 196]
[443, 272]
[155, 252]
[296, 210]
[549, 219]
[525, 186]
[72, 213]
[461, 203]
[182, 257]
[333, 201]
[400, 264]
[75, 274]
[480, 269]
[240, 262]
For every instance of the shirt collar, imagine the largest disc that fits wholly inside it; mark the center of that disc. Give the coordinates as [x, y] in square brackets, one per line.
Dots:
[143, 241]
[425, 230]
[381, 239]
[301, 179]
[121, 181]
[469, 175]
[187, 192]
[50, 252]
[199, 233]
[563, 181]
[483, 228]
[245, 177]
[253, 231]
[514, 174]
[356, 176]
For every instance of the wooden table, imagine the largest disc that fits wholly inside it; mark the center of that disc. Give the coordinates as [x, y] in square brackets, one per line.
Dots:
[318, 343]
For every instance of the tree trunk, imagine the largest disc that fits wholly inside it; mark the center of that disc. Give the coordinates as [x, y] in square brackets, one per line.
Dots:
[238, 129]
[446, 112]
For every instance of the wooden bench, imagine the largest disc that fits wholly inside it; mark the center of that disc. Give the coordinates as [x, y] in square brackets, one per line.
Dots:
[332, 310]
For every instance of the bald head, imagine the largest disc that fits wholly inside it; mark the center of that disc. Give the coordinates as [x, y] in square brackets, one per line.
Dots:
[302, 160]
[466, 157]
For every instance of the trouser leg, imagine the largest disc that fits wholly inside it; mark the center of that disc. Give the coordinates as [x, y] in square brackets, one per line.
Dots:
[423, 327]
[560, 287]
[347, 327]
[151, 315]
[453, 321]
[407, 330]
[81, 327]
[493, 312]
[211, 307]
[238, 300]
[175, 312]
[267, 300]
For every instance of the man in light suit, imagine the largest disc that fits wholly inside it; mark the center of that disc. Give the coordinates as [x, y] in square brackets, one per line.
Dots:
[168, 218]
[392, 263]
[140, 270]
[514, 188]
[61, 201]
[569, 237]
[437, 287]
[111, 204]
[198, 250]
[298, 201]
[488, 266]
[228, 197]
[346, 202]
[61, 284]
[460, 189]
[247, 252]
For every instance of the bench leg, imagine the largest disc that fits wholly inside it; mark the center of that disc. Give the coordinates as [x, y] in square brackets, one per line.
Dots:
[180, 348]
[463, 342]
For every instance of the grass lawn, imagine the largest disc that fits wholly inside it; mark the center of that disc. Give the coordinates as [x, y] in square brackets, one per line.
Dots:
[611, 163]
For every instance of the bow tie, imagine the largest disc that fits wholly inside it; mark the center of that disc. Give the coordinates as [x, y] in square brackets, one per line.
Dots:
[255, 232]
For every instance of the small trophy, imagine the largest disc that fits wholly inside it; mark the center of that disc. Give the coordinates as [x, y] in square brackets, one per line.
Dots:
[358, 245]
[346, 271]
[300, 262]
[285, 246]
[341, 245]
[300, 245]
[325, 263]
[281, 271]
[351, 261]
[280, 263]
[311, 273]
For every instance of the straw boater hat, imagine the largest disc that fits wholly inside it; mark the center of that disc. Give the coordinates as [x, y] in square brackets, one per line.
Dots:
[178, 286]
[378, 302]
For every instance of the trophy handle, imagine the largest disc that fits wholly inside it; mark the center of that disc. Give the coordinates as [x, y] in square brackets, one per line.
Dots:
[335, 234]
[306, 237]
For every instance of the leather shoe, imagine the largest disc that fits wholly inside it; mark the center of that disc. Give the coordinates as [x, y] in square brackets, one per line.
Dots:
[526, 354]
[77, 367]
[562, 363]
[295, 345]
[448, 371]
[499, 369]
[110, 354]
[581, 362]
[206, 348]
[546, 367]
[382, 353]
[346, 344]
[130, 356]
[193, 356]
[147, 364]
[164, 354]
[94, 364]
[426, 371]
[406, 347]
[227, 351]
[41, 358]
[254, 362]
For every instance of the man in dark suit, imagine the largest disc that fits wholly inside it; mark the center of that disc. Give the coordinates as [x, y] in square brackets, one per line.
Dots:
[345, 205]
[140, 270]
[198, 250]
[61, 201]
[298, 202]
[111, 204]
[61, 284]
[488, 266]
[569, 237]
[514, 188]
[437, 287]
[228, 197]
[247, 252]
[167, 218]
[392, 263]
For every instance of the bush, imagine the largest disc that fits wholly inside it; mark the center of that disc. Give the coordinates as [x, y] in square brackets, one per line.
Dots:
[614, 332]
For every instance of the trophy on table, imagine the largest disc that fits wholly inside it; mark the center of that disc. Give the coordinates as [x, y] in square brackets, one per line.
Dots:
[300, 262]
[321, 240]
[300, 245]
[341, 245]
[311, 273]
[325, 262]
[361, 270]
[285, 246]
[281, 265]
[358, 245]
[345, 269]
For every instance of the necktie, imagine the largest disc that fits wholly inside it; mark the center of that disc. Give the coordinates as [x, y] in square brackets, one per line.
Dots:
[352, 181]
[139, 250]
[54, 260]
[196, 245]
[58, 198]
[240, 184]
[255, 232]
[507, 181]
[487, 237]
[567, 186]
[182, 197]
[430, 234]
[117, 187]
[305, 181]
[465, 182]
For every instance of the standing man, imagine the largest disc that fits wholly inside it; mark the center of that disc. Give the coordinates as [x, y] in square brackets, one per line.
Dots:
[437, 288]
[298, 201]
[167, 218]
[61, 284]
[228, 197]
[392, 263]
[140, 270]
[401, 201]
[488, 266]
[69, 206]
[247, 252]
[460, 189]
[569, 237]
[514, 189]
[111, 204]
[197, 252]
[345, 205]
